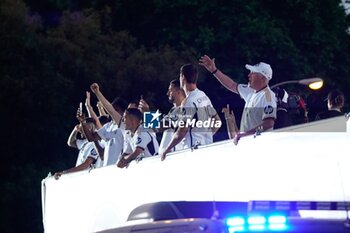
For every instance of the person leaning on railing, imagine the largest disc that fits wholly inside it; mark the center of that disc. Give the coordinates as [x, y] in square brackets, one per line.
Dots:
[260, 101]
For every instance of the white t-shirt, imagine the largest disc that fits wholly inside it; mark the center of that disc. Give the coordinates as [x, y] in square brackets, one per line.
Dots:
[198, 106]
[143, 139]
[114, 140]
[86, 149]
[258, 106]
[173, 116]
[99, 162]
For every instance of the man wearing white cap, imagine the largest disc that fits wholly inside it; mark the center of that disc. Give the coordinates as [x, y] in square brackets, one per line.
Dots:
[260, 101]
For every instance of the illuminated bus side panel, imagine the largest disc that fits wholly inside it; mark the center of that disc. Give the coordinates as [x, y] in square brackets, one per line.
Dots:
[295, 166]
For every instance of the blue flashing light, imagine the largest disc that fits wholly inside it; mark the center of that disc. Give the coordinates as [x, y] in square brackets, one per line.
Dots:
[256, 227]
[256, 220]
[236, 229]
[275, 222]
[278, 227]
[277, 219]
[235, 221]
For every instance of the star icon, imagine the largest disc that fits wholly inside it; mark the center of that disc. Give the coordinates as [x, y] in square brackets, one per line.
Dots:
[155, 115]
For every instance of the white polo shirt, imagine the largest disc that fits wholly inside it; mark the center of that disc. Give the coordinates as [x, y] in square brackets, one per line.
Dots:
[86, 149]
[114, 141]
[142, 139]
[258, 106]
[173, 116]
[198, 106]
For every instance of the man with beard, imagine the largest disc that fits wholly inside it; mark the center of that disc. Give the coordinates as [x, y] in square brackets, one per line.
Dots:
[175, 96]
[196, 108]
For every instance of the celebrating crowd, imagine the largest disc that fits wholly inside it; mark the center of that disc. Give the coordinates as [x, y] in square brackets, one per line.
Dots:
[116, 135]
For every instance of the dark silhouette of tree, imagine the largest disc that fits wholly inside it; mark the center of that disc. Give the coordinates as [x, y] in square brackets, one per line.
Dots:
[51, 51]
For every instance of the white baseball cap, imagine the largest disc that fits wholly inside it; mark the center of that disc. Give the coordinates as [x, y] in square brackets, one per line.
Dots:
[262, 68]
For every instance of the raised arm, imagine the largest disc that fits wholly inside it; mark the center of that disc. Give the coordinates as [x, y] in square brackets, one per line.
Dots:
[89, 133]
[109, 107]
[225, 80]
[72, 139]
[143, 106]
[101, 109]
[91, 111]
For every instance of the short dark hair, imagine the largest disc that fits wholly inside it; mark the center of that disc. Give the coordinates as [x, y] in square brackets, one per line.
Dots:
[119, 104]
[90, 120]
[336, 98]
[135, 112]
[134, 102]
[175, 83]
[190, 73]
[104, 119]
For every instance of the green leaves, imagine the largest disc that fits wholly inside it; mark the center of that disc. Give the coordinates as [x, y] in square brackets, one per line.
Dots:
[52, 51]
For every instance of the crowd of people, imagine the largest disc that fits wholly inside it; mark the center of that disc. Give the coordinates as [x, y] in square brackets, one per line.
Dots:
[116, 134]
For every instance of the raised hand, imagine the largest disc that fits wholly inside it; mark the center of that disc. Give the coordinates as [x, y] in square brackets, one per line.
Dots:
[143, 106]
[95, 87]
[87, 100]
[80, 116]
[99, 104]
[207, 63]
[227, 111]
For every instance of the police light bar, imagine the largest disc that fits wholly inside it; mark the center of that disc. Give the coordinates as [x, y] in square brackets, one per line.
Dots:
[271, 222]
[272, 215]
[259, 206]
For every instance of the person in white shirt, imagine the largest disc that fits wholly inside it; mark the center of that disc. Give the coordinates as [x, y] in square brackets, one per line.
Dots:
[139, 143]
[100, 121]
[87, 153]
[260, 101]
[175, 96]
[112, 132]
[196, 108]
[168, 126]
